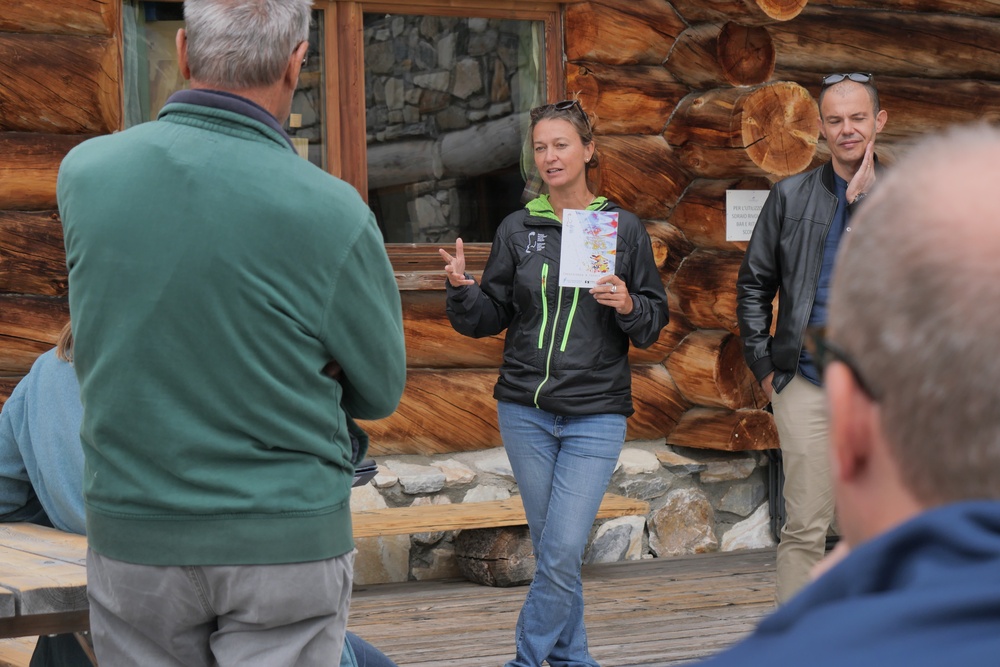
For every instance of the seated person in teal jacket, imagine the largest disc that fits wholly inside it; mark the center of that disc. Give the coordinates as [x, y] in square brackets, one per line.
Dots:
[41, 480]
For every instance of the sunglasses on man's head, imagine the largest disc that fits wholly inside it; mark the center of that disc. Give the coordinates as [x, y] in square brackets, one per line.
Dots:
[824, 352]
[857, 77]
[565, 105]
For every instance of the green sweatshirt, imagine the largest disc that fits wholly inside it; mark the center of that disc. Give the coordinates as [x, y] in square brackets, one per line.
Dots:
[213, 274]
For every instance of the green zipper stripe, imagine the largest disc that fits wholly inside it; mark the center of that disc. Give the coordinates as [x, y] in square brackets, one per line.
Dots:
[552, 344]
[545, 305]
[569, 320]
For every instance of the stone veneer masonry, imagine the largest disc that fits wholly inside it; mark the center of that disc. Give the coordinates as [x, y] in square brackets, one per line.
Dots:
[700, 501]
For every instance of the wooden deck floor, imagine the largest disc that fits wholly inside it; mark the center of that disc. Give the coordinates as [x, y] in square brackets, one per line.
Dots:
[649, 613]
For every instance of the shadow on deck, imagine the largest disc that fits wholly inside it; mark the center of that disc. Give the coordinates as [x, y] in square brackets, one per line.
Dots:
[663, 611]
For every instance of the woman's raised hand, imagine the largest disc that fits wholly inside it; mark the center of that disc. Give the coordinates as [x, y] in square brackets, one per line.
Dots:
[455, 267]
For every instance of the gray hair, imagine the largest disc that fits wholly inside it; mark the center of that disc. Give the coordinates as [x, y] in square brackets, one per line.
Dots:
[240, 44]
[916, 302]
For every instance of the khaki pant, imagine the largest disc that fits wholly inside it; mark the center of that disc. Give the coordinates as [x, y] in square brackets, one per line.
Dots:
[801, 417]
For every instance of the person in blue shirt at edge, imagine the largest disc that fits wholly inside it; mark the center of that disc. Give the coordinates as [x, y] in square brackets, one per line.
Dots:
[213, 275]
[912, 379]
[564, 390]
[41, 481]
[791, 253]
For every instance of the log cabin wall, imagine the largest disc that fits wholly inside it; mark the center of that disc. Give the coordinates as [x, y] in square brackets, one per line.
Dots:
[691, 98]
[60, 74]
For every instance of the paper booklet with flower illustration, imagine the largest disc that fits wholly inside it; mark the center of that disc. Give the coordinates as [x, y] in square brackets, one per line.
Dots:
[589, 239]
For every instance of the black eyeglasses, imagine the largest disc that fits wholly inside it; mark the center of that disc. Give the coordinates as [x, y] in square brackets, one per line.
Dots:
[565, 105]
[857, 77]
[824, 352]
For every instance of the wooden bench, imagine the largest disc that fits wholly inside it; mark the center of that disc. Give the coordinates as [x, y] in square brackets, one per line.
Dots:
[17, 652]
[465, 516]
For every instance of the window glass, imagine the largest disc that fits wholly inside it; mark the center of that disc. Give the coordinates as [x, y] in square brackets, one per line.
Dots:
[446, 102]
[152, 74]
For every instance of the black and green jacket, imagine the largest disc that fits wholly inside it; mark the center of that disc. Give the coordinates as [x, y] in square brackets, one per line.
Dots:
[564, 352]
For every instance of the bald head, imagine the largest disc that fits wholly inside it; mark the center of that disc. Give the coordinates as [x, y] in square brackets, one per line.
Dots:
[916, 301]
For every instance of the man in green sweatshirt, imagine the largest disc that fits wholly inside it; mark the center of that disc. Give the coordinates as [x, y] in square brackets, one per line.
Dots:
[215, 279]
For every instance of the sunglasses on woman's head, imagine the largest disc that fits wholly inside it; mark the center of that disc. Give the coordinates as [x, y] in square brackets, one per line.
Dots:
[565, 105]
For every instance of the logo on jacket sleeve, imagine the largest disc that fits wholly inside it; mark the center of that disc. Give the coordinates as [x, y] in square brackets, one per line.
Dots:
[536, 242]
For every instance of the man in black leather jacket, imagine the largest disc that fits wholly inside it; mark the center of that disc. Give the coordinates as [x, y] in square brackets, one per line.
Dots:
[791, 254]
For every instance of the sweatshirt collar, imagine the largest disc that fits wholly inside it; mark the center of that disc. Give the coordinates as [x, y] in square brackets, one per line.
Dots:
[218, 99]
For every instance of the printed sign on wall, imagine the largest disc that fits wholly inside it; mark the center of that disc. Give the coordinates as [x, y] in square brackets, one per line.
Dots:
[742, 209]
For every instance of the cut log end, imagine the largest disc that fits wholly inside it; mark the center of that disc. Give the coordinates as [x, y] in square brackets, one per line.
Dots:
[780, 127]
[781, 10]
[746, 54]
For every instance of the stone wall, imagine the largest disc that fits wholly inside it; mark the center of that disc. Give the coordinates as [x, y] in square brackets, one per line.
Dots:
[700, 501]
[428, 78]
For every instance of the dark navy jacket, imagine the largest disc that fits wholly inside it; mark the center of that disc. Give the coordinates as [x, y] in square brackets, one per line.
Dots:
[926, 594]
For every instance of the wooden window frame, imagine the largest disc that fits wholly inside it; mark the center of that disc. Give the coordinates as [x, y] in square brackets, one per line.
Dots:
[418, 265]
[345, 93]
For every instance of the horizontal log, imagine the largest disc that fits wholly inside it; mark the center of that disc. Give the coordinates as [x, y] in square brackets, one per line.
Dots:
[658, 403]
[710, 55]
[29, 325]
[439, 413]
[705, 289]
[989, 8]
[677, 328]
[32, 256]
[946, 46]
[917, 106]
[761, 130]
[634, 99]
[65, 17]
[641, 173]
[748, 12]
[709, 370]
[64, 84]
[431, 342]
[670, 247]
[701, 211]
[29, 164]
[477, 150]
[728, 430]
[639, 32]
[454, 411]
[7, 384]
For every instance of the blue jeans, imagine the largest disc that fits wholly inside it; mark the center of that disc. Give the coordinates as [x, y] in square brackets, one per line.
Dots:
[562, 466]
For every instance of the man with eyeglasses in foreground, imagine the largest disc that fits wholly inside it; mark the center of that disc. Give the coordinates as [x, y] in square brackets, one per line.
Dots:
[913, 383]
[791, 253]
